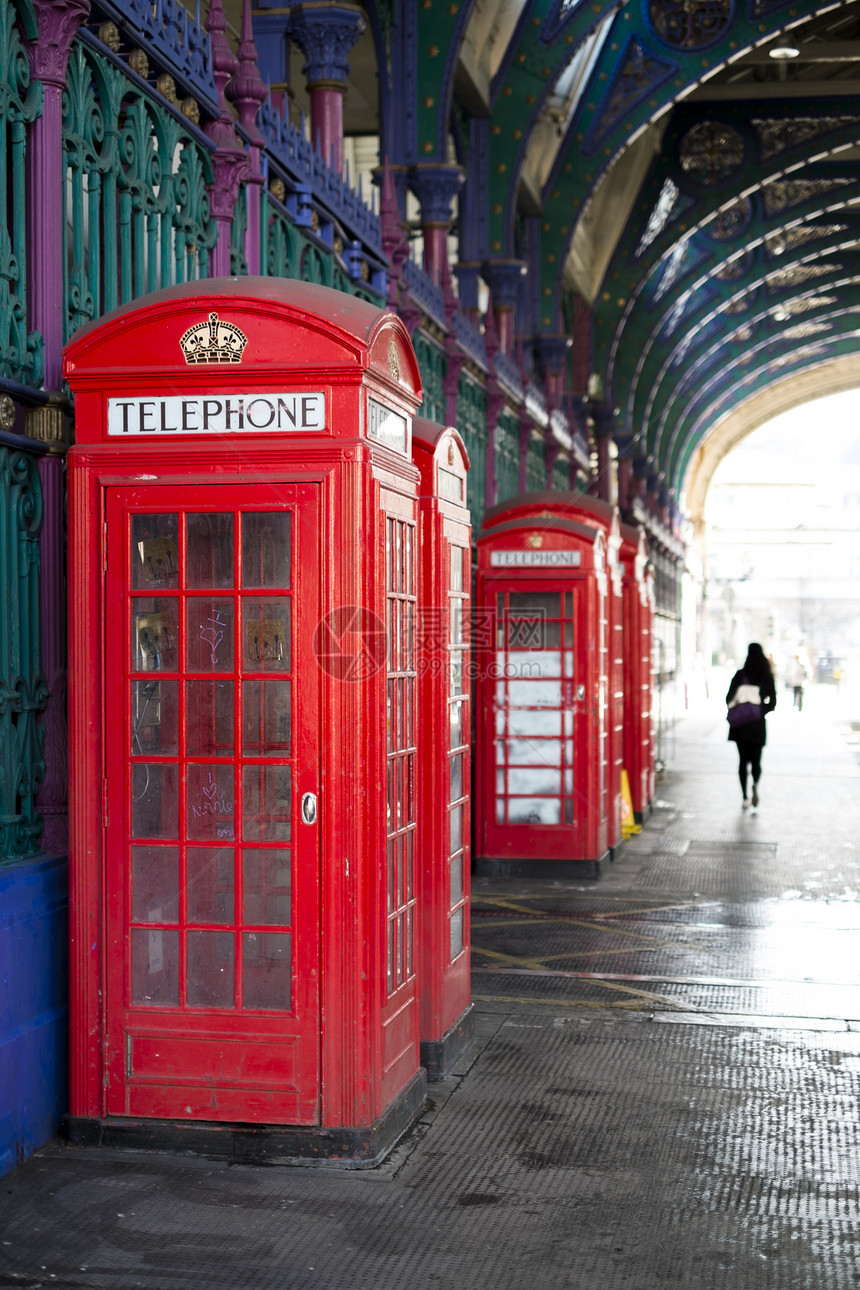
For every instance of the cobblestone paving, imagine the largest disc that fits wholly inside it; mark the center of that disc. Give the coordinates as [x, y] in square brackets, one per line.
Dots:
[664, 1093]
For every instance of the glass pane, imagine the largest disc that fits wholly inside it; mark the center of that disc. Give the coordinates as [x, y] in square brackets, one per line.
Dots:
[456, 672]
[410, 865]
[534, 810]
[544, 780]
[392, 852]
[456, 777]
[456, 879]
[210, 884]
[267, 635]
[500, 810]
[154, 968]
[209, 718]
[456, 622]
[210, 974]
[530, 663]
[155, 884]
[568, 812]
[154, 551]
[456, 933]
[531, 752]
[209, 634]
[209, 551]
[456, 568]
[390, 956]
[266, 803]
[266, 549]
[266, 717]
[154, 801]
[266, 882]
[528, 723]
[266, 970]
[456, 737]
[534, 694]
[154, 635]
[535, 604]
[456, 830]
[210, 802]
[154, 718]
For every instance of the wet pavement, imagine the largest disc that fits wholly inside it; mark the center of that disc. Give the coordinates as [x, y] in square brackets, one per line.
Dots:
[664, 1092]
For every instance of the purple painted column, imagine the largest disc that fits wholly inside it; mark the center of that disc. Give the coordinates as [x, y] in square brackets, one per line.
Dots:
[230, 161]
[504, 278]
[58, 21]
[436, 185]
[246, 92]
[552, 355]
[325, 33]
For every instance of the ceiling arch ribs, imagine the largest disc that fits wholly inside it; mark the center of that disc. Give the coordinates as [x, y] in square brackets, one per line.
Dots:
[753, 383]
[627, 95]
[678, 333]
[818, 318]
[440, 31]
[551, 41]
[714, 166]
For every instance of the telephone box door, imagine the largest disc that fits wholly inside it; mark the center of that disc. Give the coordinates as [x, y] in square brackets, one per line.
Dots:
[541, 769]
[211, 872]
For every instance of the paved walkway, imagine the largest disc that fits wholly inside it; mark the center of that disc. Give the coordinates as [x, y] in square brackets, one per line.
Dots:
[665, 1091]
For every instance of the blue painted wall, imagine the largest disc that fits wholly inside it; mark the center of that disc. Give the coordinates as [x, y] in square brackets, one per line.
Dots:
[34, 987]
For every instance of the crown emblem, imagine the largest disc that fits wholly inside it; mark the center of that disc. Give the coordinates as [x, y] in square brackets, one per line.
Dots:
[213, 341]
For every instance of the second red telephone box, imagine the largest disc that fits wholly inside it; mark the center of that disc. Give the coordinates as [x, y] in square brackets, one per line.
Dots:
[541, 721]
[444, 761]
[243, 723]
[638, 748]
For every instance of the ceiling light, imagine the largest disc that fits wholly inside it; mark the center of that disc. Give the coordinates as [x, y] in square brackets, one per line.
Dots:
[783, 52]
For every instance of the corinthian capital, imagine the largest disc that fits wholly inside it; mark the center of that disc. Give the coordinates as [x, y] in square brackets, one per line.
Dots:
[58, 21]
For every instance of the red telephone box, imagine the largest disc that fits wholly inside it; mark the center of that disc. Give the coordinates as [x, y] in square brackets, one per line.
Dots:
[243, 517]
[540, 636]
[591, 510]
[444, 765]
[638, 745]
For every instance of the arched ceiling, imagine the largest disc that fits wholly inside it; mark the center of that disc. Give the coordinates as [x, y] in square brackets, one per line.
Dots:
[699, 195]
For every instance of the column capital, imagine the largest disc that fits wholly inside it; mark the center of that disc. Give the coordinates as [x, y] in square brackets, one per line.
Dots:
[325, 33]
[58, 22]
[436, 184]
[504, 277]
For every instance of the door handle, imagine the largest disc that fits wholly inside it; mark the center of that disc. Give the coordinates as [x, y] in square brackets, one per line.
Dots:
[309, 807]
[580, 691]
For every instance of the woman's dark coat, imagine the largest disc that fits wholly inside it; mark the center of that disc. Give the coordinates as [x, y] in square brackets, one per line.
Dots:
[755, 734]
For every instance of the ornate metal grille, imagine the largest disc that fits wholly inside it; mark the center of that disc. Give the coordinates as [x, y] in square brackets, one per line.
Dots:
[472, 424]
[136, 201]
[20, 103]
[23, 692]
[431, 361]
[507, 456]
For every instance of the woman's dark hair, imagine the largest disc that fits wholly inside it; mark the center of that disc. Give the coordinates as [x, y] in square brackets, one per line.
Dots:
[757, 667]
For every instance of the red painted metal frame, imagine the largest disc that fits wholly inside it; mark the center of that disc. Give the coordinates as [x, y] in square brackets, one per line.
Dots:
[585, 837]
[638, 745]
[299, 338]
[443, 879]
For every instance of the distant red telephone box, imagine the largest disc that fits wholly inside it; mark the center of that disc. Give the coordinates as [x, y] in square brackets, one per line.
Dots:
[243, 723]
[444, 763]
[540, 639]
[638, 746]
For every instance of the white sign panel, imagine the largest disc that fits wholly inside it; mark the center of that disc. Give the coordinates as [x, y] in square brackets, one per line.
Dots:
[217, 414]
[535, 559]
[387, 426]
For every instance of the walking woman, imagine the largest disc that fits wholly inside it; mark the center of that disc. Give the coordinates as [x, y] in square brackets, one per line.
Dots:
[750, 734]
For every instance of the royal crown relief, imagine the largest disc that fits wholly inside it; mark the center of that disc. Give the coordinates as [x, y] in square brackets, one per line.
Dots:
[213, 340]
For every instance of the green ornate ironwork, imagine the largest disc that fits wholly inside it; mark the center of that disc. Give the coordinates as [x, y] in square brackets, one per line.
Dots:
[280, 242]
[135, 192]
[536, 464]
[507, 455]
[472, 424]
[561, 474]
[23, 692]
[20, 103]
[238, 229]
[432, 365]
